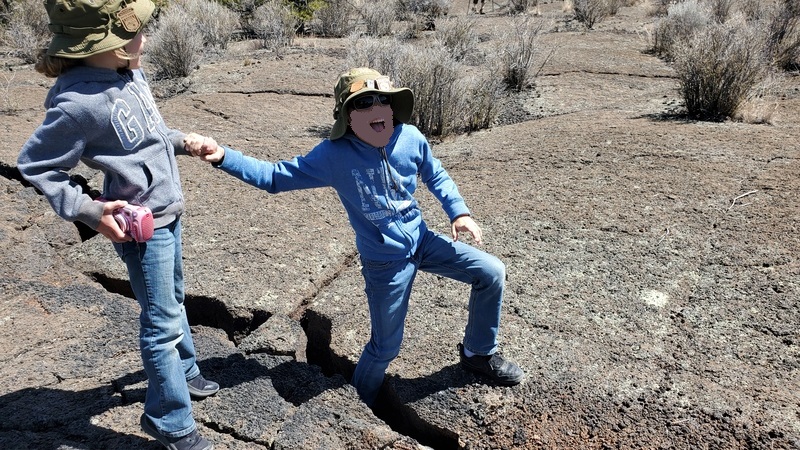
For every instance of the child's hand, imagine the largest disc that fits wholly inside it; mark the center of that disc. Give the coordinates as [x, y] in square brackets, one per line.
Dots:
[466, 224]
[198, 145]
[215, 156]
[108, 226]
[204, 147]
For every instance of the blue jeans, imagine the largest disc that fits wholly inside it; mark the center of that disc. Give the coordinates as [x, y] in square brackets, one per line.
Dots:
[155, 269]
[388, 287]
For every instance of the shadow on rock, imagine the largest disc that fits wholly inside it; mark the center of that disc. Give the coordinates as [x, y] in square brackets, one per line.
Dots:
[48, 418]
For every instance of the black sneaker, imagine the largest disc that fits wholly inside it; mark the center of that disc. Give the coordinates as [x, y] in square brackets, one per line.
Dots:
[192, 441]
[199, 387]
[494, 367]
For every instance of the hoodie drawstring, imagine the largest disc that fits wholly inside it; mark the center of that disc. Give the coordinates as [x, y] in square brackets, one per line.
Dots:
[389, 176]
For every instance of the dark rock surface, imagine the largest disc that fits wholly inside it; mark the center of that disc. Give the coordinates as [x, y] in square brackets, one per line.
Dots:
[652, 274]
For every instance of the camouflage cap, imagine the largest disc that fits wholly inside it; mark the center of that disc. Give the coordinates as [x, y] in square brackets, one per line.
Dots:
[83, 28]
[363, 80]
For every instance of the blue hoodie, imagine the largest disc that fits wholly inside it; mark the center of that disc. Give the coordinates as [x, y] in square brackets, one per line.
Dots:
[108, 120]
[376, 186]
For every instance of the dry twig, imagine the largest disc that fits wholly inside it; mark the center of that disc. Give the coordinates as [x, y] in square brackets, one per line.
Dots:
[740, 196]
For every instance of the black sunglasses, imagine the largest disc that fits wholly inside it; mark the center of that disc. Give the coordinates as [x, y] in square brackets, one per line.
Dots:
[368, 101]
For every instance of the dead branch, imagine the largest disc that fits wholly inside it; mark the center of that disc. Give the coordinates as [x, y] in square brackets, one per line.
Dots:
[740, 196]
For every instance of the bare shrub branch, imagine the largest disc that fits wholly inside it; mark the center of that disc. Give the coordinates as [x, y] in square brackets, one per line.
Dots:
[336, 19]
[26, 31]
[214, 21]
[718, 67]
[446, 101]
[682, 21]
[174, 48]
[590, 12]
[518, 46]
[378, 16]
[783, 44]
[458, 35]
[274, 25]
[9, 104]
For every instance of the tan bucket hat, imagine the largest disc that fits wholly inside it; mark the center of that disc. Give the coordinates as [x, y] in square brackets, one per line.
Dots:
[363, 80]
[83, 28]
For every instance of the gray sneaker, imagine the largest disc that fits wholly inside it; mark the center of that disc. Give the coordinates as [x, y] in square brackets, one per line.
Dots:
[192, 441]
[199, 387]
[493, 367]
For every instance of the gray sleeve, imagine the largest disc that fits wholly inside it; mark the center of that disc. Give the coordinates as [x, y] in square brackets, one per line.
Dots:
[45, 160]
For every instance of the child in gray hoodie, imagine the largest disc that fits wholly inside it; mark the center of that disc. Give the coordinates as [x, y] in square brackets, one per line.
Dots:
[100, 111]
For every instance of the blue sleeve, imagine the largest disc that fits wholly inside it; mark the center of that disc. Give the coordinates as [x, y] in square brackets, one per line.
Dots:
[301, 172]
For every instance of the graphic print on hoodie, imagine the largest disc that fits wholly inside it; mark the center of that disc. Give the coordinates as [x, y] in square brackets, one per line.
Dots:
[383, 199]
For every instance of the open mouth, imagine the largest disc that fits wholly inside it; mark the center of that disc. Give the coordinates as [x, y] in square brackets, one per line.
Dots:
[378, 125]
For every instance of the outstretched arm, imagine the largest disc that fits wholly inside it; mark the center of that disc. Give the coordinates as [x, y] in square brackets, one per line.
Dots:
[301, 172]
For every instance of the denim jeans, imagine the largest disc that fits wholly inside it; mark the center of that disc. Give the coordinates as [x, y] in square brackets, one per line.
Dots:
[155, 269]
[388, 287]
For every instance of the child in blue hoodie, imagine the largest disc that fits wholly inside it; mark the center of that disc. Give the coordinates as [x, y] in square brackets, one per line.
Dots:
[100, 111]
[373, 160]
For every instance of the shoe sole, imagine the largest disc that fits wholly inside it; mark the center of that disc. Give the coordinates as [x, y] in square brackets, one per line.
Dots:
[197, 393]
[153, 433]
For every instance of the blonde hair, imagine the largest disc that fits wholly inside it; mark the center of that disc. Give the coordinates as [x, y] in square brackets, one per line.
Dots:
[123, 54]
[53, 66]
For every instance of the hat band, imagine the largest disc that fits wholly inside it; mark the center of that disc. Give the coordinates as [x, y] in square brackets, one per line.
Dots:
[75, 31]
[381, 83]
[125, 18]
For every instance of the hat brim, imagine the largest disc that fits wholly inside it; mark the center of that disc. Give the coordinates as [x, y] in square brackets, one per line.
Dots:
[402, 108]
[67, 46]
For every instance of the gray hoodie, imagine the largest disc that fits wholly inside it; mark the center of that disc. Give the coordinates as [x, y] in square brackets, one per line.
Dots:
[108, 120]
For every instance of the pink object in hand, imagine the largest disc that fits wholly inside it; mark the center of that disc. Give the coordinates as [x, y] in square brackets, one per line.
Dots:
[136, 221]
